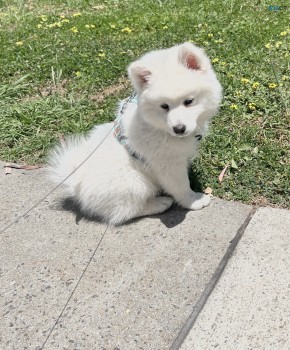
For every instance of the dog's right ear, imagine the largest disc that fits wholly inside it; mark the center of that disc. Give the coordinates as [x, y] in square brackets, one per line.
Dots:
[139, 75]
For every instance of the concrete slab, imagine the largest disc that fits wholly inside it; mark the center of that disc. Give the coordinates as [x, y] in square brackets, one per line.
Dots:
[41, 260]
[60, 289]
[145, 279]
[249, 309]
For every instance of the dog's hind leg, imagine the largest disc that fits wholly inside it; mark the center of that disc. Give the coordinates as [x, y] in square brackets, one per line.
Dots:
[152, 206]
[156, 205]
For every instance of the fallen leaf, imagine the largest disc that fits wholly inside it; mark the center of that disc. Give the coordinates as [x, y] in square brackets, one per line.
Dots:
[222, 174]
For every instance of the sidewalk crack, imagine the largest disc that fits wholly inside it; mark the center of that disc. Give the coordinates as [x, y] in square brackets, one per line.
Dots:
[189, 323]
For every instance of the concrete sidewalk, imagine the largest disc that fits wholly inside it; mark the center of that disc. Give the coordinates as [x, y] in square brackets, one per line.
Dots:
[71, 283]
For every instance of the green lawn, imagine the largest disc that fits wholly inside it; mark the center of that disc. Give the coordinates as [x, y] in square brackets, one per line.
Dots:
[63, 68]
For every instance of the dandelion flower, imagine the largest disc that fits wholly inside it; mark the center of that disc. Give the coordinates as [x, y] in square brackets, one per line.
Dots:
[39, 26]
[87, 26]
[19, 43]
[92, 26]
[210, 35]
[245, 81]
[101, 54]
[78, 73]
[278, 44]
[77, 14]
[272, 85]
[74, 30]
[255, 85]
[252, 106]
[284, 77]
[65, 20]
[233, 107]
[43, 18]
[165, 27]
[113, 26]
[126, 30]
[283, 33]
[215, 60]
[268, 46]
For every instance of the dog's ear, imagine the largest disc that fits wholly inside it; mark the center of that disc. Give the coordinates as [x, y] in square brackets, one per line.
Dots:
[193, 57]
[139, 75]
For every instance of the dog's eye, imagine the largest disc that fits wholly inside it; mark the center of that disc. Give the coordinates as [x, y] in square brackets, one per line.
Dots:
[188, 101]
[165, 106]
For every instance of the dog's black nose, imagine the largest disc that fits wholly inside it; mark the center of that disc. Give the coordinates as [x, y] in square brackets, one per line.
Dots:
[179, 129]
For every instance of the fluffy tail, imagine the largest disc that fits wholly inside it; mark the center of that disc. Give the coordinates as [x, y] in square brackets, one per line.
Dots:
[65, 158]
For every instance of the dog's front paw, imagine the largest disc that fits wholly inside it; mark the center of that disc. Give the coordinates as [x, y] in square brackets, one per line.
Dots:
[198, 201]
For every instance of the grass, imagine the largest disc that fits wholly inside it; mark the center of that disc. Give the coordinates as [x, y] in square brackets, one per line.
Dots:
[63, 68]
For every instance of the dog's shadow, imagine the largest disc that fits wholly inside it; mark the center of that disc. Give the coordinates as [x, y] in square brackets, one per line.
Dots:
[170, 218]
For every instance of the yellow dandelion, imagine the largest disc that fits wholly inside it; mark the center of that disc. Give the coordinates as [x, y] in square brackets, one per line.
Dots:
[268, 46]
[205, 43]
[210, 35]
[126, 30]
[92, 26]
[245, 81]
[77, 14]
[284, 77]
[215, 60]
[233, 107]
[223, 63]
[19, 43]
[39, 26]
[255, 85]
[87, 26]
[278, 44]
[101, 54]
[272, 85]
[165, 27]
[283, 33]
[251, 106]
[62, 16]
[65, 20]
[230, 75]
[74, 30]
[43, 18]
[238, 93]
[113, 26]
[78, 74]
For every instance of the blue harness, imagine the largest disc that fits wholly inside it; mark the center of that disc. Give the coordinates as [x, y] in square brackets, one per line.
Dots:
[119, 132]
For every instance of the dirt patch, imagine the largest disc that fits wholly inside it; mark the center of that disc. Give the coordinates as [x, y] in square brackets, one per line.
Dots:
[53, 89]
[122, 84]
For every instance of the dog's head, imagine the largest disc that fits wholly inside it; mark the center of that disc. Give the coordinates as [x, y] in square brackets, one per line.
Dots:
[178, 91]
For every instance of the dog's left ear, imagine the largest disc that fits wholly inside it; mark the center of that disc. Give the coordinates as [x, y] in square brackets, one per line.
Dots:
[193, 57]
[139, 75]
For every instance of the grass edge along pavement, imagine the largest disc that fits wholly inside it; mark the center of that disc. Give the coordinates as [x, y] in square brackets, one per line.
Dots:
[63, 57]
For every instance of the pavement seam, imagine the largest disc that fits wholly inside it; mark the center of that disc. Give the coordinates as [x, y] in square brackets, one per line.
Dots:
[75, 288]
[189, 323]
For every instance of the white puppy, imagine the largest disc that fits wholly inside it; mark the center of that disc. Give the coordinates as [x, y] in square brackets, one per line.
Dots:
[148, 150]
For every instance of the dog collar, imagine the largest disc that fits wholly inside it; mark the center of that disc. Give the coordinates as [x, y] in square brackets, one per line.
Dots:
[119, 131]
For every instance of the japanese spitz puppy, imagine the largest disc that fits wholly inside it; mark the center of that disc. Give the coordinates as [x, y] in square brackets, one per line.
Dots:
[139, 165]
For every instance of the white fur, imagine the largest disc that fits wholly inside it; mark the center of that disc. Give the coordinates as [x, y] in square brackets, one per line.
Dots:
[115, 186]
